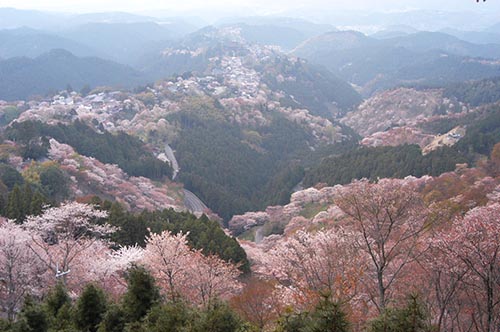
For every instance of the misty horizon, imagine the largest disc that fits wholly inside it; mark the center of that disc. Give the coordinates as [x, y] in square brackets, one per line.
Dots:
[319, 11]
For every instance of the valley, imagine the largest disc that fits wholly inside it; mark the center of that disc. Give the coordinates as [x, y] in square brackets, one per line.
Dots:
[261, 173]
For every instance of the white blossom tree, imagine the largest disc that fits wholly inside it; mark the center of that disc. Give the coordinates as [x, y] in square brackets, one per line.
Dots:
[20, 268]
[66, 236]
[186, 273]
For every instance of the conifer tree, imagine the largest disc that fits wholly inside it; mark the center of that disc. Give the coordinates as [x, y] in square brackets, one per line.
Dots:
[32, 318]
[90, 309]
[142, 294]
[14, 209]
[328, 316]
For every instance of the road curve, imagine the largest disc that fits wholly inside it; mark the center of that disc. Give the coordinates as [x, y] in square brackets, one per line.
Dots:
[193, 203]
[173, 161]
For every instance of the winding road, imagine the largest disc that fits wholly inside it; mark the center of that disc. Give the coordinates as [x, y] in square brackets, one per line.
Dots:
[193, 203]
[173, 161]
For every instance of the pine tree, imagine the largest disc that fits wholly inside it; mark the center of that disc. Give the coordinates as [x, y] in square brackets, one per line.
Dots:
[58, 307]
[170, 317]
[37, 204]
[410, 318]
[328, 316]
[90, 309]
[219, 317]
[14, 209]
[113, 320]
[26, 199]
[56, 299]
[32, 318]
[142, 294]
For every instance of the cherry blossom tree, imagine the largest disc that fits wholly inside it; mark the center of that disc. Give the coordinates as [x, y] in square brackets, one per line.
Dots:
[315, 264]
[210, 277]
[109, 269]
[389, 218]
[168, 257]
[443, 284]
[186, 273]
[258, 302]
[20, 268]
[65, 237]
[474, 241]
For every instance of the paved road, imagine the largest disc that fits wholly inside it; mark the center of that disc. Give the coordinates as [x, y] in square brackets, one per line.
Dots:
[173, 161]
[193, 203]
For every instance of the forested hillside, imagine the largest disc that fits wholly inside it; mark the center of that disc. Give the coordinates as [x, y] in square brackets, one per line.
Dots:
[124, 150]
[264, 174]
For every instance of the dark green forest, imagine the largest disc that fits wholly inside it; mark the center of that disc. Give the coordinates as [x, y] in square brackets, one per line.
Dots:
[483, 132]
[475, 93]
[204, 234]
[232, 175]
[382, 162]
[128, 152]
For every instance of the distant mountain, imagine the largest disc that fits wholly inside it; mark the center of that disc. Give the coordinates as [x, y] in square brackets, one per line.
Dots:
[109, 17]
[429, 41]
[11, 18]
[32, 43]
[284, 37]
[23, 77]
[476, 37]
[494, 28]
[203, 52]
[176, 26]
[420, 58]
[423, 20]
[122, 42]
[307, 28]
[394, 31]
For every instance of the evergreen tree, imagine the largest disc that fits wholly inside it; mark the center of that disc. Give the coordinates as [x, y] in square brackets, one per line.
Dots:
[5, 325]
[410, 318]
[170, 317]
[37, 204]
[58, 307]
[90, 309]
[328, 316]
[26, 199]
[32, 318]
[15, 205]
[113, 320]
[142, 294]
[56, 299]
[292, 322]
[219, 317]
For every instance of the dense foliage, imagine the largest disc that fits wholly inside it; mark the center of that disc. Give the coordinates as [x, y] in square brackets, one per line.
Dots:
[316, 89]
[202, 233]
[141, 308]
[128, 152]
[231, 174]
[475, 93]
[21, 78]
[483, 132]
[482, 135]
[382, 162]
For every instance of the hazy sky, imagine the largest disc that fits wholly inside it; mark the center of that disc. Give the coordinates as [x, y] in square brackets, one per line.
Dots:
[256, 6]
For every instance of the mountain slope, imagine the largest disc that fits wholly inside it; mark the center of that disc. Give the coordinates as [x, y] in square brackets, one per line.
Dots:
[122, 42]
[32, 43]
[22, 77]
[420, 58]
